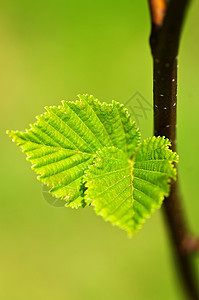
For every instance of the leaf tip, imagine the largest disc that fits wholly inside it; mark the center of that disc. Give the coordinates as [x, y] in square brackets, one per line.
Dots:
[12, 134]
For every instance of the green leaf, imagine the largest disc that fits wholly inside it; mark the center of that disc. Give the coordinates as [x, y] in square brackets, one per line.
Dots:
[63, 142]
[87, 152]
[127, 191]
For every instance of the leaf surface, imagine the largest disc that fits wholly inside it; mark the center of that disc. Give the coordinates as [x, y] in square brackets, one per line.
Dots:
[63, 142]
[127, 191]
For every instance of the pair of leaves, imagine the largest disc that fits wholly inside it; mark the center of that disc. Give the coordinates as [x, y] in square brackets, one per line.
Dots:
[89, 152]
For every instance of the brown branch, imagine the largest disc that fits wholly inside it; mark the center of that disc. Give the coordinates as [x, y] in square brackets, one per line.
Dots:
[164, 41]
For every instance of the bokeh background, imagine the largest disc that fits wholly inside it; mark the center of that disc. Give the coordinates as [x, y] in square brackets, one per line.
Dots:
[54, 50]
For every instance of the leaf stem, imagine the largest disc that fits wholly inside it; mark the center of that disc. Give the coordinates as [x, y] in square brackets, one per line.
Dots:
[165, 36]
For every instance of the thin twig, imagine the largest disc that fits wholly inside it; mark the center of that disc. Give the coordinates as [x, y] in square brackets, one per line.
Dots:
[164, 41]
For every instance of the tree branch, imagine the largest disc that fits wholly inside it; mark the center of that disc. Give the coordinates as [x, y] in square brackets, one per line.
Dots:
[166, 30]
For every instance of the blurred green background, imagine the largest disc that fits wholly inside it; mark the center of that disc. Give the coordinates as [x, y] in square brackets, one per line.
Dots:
[53, 50]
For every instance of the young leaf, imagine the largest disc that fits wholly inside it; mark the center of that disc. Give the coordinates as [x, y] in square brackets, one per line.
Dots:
[63, 142]
[89, 153]
[126, 191]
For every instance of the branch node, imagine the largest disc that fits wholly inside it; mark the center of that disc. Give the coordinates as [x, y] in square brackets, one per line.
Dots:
[190, 244]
